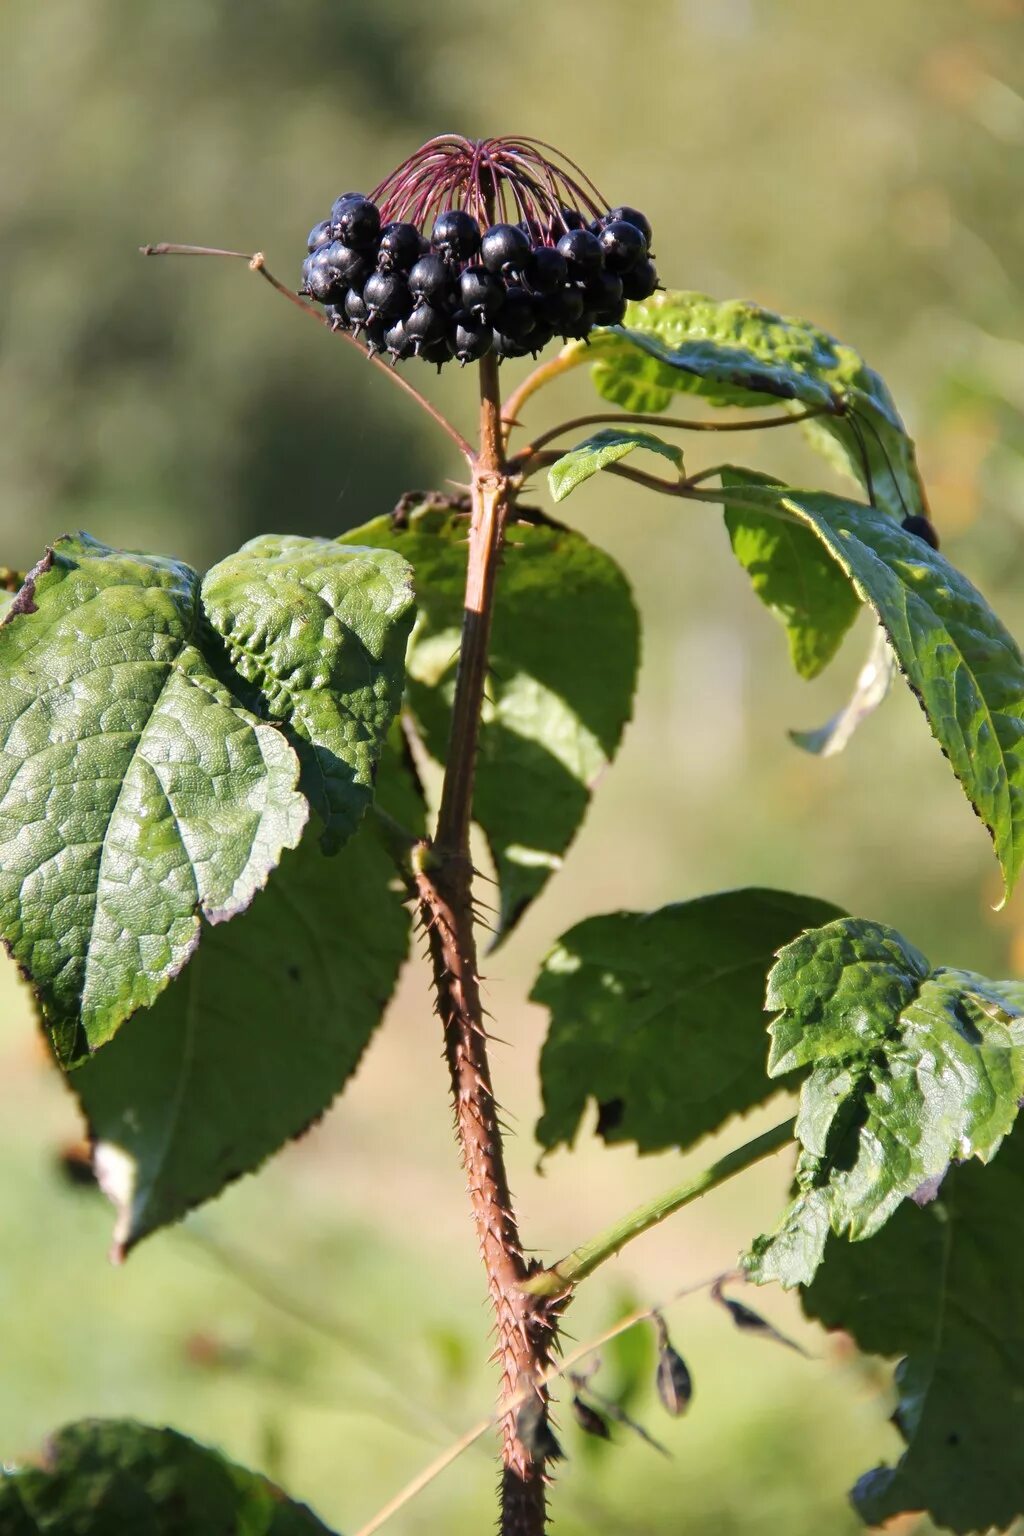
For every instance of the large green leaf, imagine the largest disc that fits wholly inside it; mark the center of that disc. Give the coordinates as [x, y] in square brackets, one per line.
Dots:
[941, 1285]
[659, 1016]
[319, 631]
[251, 1043]
[908, 1069]
[965, 669]
[603, 448]
[114, 1477]
[564, 652]
[736, 353]
[136, 792]
[794, 577]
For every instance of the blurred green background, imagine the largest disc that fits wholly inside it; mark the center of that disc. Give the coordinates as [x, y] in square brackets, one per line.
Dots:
[862, 165]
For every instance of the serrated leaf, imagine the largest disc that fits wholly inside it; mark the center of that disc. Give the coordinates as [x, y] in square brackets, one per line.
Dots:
[319, 631]
[736, 353]
[794, 577]
[963, 666]
[870, 690]
[909, 1068]
[564, 654]
[605, 447]
[251, 1043]
[940, 1285]
[659, 1016]
[106, 1476]
[136, 791]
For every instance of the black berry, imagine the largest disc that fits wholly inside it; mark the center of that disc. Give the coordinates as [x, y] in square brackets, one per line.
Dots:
[356, 222]
[504, 249]
[546, 269]
[397, 343]
[517, 316]
[472, 338]
[561, 310]
[582, 251]
[319, 235]
[437, 352]
[623, 246]
[425, 326]
[430, 280]
[603, 293]
[571, 218]
[355, 310]
[923, 527]
[481, 293]
[641, 281]
[351, 268]
[319, 281]
[399, 247]
[456, 235]
[387, 296]
[631, 216]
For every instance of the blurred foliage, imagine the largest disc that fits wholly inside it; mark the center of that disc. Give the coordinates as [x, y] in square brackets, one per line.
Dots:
[858, 165]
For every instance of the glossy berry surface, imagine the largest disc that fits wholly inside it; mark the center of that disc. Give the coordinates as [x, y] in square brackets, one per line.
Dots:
[425, 326]
[641, 281]
[430, 279]
[399, 247]
[582, 252]
[456, 235]
[622, 246]
[357, 223]
[472, 339]
[319, 235]
[546, 270]
[632, 216]
[481, 293]
[504, 248]
[387, 296]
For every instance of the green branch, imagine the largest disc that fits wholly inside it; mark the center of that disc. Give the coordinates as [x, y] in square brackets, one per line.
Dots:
[568, 1272]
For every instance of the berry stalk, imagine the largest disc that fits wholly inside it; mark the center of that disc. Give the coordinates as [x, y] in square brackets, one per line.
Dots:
[524, 1324]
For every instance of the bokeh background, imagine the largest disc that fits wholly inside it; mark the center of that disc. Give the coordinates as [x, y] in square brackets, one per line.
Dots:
[862, 165]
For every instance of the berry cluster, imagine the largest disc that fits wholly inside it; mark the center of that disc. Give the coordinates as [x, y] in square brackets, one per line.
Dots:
[475, 285]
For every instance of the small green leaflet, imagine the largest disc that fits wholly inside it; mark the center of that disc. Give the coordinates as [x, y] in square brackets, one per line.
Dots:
[603, 448]
[736, 353]
[564, 655]
[793, 576]
[659, 1016]
[941, 1286]
[909, 1069]
[963, 666]
[251, 1043]
[115, 1477]
[141, 786]
[319, 631]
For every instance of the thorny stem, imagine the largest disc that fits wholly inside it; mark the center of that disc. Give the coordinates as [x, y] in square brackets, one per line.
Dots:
[524, 1324]
[582, 1262]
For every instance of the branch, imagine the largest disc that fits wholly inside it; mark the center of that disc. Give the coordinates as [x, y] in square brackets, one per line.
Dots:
[670, 423]
[545, 374]
[257, 263]
[568, 1272]
[517, 1399]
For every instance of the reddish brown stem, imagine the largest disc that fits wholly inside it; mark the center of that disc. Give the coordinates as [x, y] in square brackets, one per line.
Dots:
[524, 1324]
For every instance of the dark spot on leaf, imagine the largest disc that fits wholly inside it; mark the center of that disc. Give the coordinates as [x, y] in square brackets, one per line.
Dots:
[953, 1438]
[610, 1115]
[294, 974]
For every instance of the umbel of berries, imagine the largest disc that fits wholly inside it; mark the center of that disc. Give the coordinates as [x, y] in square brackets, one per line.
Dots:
[473, 247]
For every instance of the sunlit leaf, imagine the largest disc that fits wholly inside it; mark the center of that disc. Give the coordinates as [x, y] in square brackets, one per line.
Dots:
[605, 447]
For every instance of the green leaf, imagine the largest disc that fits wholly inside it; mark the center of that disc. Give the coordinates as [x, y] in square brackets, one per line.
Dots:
[736, 353]
[909, 1068]
[869, 691]
[564, 654]
[105, 1476]
[136, 791]
[319, 630]
[965, 669]
[251, 1043]
[603, 448]
[794, 577]
[941, 1285]
[659, 1016]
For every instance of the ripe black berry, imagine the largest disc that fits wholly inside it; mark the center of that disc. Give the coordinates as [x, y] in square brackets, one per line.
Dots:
[425, 326]
[350, 268]
[582, 251]
[517, 316]
[373, 336]
[397, 342]
[545, 270]
[456, 235]
[623, 246]
[319, 281]
[319, 235]
[631, 216]
[641, 282]
[339, 203]
[387, 296]
[560, 311]
[571, 218]
[481, 293]
[356, 222]
[603, 293]
[923, 527]
[472, 339]
[508, 346]
[437, 352]
[399, 247]
[504, 249]
[430, 280]
[356, 310]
